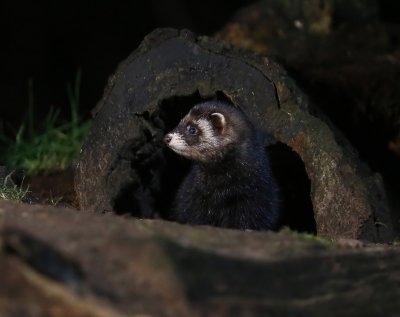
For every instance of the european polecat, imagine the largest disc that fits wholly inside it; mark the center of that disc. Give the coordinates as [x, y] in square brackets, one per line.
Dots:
[230, 183]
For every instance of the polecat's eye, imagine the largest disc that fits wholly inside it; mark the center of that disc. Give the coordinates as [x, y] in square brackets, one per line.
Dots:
[191, 130]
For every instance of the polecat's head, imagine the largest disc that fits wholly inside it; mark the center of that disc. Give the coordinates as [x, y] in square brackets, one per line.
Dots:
[207, 132]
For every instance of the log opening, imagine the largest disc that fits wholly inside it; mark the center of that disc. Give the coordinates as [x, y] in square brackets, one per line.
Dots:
[161, 171]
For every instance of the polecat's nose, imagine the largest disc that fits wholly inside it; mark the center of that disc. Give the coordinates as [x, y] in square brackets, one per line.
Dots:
[167, 138]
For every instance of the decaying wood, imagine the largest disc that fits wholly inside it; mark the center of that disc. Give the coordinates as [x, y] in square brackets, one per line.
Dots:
[123, 155]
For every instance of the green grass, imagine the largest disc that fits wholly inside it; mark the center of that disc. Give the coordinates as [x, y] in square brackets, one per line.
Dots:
[10, 191]
[309, 237]
[54, 146]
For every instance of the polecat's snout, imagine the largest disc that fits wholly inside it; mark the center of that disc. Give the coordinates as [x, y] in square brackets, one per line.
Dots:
[176, 142]
[167, 139]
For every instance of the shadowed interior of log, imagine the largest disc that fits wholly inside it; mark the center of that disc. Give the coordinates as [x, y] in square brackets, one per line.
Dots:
[290, 172]
[158, 171]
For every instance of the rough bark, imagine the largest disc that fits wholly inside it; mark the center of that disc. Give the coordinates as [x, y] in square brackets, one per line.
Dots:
[61, 262]
[123, 162]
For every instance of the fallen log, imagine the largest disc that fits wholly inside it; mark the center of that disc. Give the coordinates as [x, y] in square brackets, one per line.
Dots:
[124, 168]
[61, 262]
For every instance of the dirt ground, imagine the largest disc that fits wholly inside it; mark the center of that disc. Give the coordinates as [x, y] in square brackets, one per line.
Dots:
[55, 188]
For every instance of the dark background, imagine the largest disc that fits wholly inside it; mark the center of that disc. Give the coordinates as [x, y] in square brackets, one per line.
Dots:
[48, 41]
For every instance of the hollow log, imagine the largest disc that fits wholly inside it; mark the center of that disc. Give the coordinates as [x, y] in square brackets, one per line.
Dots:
[124, 168]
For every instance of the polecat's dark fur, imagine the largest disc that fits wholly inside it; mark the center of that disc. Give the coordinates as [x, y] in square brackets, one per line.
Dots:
[230, 183]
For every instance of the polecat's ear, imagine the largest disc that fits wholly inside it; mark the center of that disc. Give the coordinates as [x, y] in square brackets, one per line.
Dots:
[218, 121]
